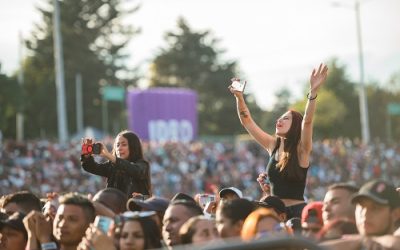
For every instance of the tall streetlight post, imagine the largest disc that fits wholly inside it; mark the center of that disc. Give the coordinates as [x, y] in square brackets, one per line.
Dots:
[361, 88]
[59, 70]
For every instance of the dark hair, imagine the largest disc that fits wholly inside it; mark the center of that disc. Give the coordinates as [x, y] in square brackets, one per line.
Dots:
[289, 158]
[343, 185]
[25, 200]
[237, 209]
[188, 229]
[116, 200]
[191, 206]
[135, 152]
[80, 201]
[152, 235]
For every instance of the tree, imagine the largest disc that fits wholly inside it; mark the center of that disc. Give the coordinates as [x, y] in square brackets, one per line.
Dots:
[330, 112]
[191, 60]
[10, 101]
[93, 43]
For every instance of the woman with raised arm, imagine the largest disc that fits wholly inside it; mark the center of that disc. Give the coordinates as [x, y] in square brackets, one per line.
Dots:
[289, 148]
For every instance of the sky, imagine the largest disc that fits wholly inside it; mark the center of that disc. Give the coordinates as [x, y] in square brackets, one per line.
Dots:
[276, 42]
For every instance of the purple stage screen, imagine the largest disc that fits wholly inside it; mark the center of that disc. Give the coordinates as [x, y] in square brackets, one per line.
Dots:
[163, 114]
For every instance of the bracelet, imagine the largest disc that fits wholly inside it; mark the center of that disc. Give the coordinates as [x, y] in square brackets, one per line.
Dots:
[311, 98]
[49, 246]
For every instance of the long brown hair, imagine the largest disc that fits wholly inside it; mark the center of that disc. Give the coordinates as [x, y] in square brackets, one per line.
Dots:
[291, 140]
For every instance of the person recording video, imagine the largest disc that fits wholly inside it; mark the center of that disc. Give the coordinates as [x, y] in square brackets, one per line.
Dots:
[125, 169]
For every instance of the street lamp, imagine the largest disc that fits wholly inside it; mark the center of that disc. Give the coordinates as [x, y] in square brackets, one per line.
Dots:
[361, 90]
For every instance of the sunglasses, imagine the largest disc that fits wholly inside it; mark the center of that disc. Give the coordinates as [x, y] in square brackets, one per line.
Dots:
[131, 215]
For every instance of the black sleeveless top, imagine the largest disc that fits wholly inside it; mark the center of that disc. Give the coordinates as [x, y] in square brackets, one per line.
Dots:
[281, 185]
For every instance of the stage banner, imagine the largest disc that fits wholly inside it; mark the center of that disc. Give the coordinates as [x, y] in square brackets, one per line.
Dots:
[163, 114]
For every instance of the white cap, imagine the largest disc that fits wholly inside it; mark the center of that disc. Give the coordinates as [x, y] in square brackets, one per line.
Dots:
[230, 189]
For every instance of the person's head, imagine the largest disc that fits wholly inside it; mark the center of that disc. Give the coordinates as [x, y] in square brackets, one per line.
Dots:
[22, 201]
[177, 213]
[198, 230]
[13, 235]
[74, 215]
[138, 231]
[377, 208]
[230, 193]
[337, 202]
[275, 203]
[156, 204]
[311, 219]
[263, 222]
[230, 216]
[289, 125]
[336, 228]
[127, 146]
[112, 198]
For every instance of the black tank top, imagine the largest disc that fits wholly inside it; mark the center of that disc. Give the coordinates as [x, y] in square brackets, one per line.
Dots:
[280, 185]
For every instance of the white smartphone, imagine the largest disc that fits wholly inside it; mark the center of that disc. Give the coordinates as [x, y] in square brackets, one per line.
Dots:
[205, 198]
[238, 85]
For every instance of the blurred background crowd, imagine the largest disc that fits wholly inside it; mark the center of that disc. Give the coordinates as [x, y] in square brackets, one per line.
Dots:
[44, 166]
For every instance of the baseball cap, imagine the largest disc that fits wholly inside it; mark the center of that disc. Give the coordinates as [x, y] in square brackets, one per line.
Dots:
[224, 191]
[182, 196]
[312, 214]
[380, 192]
[273, 202]
[157, 204]
[15, 222]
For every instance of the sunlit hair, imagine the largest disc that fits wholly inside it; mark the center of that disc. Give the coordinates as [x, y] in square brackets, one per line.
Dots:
[291, 139]
[249, 229]
[188, 229]
[81, 201]
[135, 147]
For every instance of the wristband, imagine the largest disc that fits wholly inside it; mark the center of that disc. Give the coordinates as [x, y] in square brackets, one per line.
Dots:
[49, 246]
[311, 98]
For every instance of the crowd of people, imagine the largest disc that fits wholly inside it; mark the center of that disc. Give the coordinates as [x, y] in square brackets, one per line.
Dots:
[43, 166]
[338, 194]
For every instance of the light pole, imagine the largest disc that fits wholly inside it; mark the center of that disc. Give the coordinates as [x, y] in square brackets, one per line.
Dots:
[59, 70]
[361, 88]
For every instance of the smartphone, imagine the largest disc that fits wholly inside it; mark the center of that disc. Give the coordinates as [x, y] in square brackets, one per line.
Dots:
[238, 85]
[103, 223]
[267, 181]
[97, 148]
[206, 198]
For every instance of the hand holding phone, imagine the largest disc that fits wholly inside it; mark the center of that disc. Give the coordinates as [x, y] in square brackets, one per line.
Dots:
[205, 198]
[103, 223]
[238, 85]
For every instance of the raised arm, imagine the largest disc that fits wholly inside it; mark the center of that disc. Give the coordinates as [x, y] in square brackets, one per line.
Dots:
[317, 78]
[264, 139]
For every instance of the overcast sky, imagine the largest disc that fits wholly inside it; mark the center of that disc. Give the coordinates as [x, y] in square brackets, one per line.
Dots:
[276, 42]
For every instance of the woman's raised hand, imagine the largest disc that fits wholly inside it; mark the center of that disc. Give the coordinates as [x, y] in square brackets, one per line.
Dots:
[318, 77]
[232, 90]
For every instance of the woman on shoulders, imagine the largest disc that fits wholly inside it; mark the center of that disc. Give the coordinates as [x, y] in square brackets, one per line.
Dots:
[125, 168]
[289, 148]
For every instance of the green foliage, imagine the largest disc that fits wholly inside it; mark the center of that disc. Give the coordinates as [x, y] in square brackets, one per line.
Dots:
[93, 42]
[10, 100]
[191, 60]
[330, 110]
